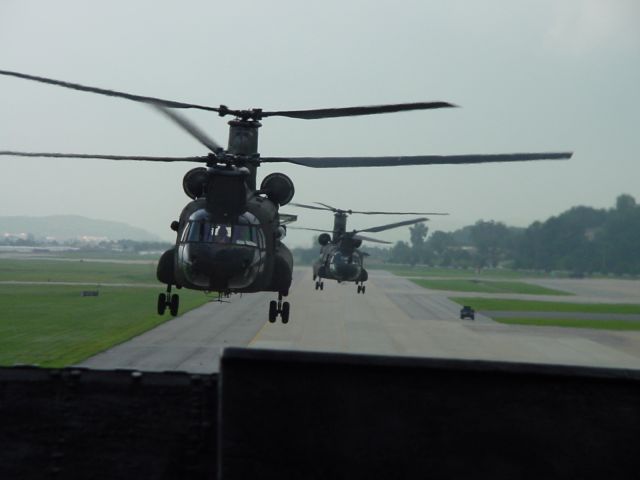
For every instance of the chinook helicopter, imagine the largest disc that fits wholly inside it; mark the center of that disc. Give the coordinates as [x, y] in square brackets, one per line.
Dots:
[340, 258]
[229, 236]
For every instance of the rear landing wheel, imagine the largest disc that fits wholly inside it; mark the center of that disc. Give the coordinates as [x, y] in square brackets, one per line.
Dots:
[363, 289]
[162, 303]
[321, 285]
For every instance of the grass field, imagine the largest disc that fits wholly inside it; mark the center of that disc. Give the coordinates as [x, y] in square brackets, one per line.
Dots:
[54, 326]
[489, 286]
[460, 273]
[490, 304]
[572, 323]
[76, 271]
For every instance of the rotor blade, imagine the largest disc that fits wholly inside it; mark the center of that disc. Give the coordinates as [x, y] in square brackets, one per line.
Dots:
[342, 162]
[110, 93]
[353, 111]
[189, 127]
[286, 218]
[392, 225]
[399, 213]
[369, 239]
[106, 157]
[310, 229]
[329, 207]
[312, 207]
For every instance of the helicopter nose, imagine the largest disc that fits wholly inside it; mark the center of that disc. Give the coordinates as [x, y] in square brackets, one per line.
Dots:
[216, 269]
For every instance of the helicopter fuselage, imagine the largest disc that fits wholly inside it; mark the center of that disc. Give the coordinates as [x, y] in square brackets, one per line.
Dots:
[229, 254]
[343, 265]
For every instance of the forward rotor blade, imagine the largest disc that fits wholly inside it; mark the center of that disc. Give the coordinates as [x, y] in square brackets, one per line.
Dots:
[369, 239]
[110, 93]
[318, 113]
[343, 162]
[392, 225]
[189, 127]
[312, 207]
[106, 157]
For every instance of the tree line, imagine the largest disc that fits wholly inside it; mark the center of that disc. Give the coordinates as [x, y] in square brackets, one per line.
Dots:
[581, 240]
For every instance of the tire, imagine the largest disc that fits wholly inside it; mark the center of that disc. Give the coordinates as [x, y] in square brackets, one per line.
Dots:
[321, 285]
[273, 311]
[285, 312]
[162, 303]
[317, 285]
[174, 304]
[363, 290]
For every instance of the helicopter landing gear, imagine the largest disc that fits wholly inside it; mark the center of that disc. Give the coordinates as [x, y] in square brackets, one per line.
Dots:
[279, 308]
[319, 285]
[162, 303]
[167, 300]
[361, 288]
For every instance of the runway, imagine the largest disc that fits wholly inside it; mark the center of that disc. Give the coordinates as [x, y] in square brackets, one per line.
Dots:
[394, 317]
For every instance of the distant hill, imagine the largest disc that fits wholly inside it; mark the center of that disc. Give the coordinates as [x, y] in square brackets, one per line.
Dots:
[65, 227]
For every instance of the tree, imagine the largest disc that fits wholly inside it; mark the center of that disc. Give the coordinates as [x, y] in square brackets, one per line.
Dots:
[418, 235]
[625, 203]
[490, 239]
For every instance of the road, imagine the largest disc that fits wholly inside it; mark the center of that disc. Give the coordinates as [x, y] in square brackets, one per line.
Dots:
[394, 317]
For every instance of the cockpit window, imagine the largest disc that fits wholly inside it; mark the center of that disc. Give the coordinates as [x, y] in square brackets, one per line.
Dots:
[199, 231]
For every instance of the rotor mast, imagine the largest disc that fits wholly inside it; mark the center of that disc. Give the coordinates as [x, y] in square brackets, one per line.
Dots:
[339, 225]
[243, 144]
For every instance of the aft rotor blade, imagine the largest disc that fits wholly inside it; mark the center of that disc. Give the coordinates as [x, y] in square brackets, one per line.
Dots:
[312, 207]
[343, 162]
[189, 127]
[369, 239]
[318, 113]
[392, 225]
[105, 157]
[110, 93]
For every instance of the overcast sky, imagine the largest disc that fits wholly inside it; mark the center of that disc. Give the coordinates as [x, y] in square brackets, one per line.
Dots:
[537, 75]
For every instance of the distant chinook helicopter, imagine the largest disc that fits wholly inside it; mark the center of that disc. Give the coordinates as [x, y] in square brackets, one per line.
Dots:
[340, 258]
[229, 237]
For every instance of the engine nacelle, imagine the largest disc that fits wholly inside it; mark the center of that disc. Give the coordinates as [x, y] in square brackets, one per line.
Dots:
[324, 239]
[194, 182]
[278, 188]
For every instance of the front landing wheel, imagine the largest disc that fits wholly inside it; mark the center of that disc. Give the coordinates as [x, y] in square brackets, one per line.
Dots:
[162, 303]
[273, 311]
[174, 304]
[285, 312]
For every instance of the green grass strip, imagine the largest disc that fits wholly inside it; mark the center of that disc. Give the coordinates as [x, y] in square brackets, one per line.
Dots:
[572, 323]
[491, 286]
[54, 326]
[491, 304]
[76, 271]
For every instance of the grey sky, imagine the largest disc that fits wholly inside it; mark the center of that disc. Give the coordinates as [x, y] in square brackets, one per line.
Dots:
[537, 75]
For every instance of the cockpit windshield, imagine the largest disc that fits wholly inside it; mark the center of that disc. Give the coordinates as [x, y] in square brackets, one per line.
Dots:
[201, 229]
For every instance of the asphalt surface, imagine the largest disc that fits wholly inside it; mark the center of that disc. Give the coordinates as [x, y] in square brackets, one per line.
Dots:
[394, 317]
